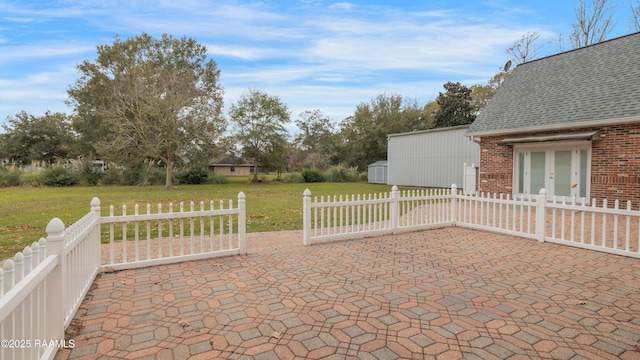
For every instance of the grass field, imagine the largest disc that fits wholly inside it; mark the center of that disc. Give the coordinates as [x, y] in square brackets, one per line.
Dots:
[271, 205]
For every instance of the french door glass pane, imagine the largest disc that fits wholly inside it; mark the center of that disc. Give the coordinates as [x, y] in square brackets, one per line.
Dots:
[537, 171]
[520, 173]
[583, 173]
[562, 173]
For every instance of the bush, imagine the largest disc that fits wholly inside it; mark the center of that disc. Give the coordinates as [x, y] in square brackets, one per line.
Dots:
[338, 174]
[194, 175]
[312, 176]
[9, 177]
[294, 177]
[31, 177]
[89, 174]
[144, 174]
[156, 176]
[217, 179]
[59, 176]
[113, 176]
[363, 176]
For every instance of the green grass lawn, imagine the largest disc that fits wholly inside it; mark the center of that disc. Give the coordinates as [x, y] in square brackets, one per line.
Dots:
[271, 205]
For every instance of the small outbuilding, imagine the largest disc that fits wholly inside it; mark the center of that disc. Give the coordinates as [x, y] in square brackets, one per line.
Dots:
[230, 165]
[378, 172]
[431, 158]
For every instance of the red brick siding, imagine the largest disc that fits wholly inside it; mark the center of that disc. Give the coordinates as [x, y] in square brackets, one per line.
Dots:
[496, 167]
[615, 163]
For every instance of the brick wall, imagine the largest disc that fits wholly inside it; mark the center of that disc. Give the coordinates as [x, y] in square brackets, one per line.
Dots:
[496, 166]
[615, 164]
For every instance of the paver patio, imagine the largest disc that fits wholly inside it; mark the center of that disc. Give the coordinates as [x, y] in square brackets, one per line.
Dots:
[448, 293]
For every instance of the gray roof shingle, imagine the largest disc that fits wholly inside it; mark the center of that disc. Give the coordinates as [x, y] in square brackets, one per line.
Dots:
[576, 88]
[228, 160]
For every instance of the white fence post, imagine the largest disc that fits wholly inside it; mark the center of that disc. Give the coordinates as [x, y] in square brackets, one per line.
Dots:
[55, 309]
[541, 215]
[306, 217]
[242, 223]
[454, 203]
[395, 208]
[95, 207]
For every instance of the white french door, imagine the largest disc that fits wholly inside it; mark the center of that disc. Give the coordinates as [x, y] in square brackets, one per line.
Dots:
[561, 169]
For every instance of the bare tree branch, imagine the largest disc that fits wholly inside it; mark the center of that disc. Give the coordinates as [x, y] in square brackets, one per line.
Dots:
[523, 50]
[635, 15]
[594, 22]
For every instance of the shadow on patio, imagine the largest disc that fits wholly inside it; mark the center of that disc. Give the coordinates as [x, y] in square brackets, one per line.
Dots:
[448, 293]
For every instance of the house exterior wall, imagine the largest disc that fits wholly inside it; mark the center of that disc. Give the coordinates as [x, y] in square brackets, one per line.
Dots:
[495, 174]
[433, 158]
[226, 170]
[615, 163]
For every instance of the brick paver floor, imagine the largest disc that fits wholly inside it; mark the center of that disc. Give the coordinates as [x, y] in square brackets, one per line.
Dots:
[449, 293]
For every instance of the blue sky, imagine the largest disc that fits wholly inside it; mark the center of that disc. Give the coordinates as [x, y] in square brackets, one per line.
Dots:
[313, 54]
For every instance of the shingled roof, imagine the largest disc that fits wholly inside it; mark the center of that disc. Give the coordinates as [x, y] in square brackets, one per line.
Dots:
[589, 86]
[229, 160]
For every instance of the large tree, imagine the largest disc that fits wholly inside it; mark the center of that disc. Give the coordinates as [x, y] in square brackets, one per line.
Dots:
[455, 106]
[364, 135]
[260, 120]
[30, 138]
[317, 138]
[147, 98]
[482, 94]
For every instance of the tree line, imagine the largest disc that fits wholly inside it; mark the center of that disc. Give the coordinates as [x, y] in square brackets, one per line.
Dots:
[159, 101]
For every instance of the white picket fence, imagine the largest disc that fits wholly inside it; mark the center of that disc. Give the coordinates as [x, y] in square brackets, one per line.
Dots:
[42, 287]
[559, 220]
[358, 215]
[139, 240]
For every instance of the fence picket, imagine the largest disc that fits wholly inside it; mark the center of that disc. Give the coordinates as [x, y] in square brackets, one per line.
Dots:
[627, 240]
[124, 235]
[593, 223]
[604, 224]
[582, 212]
[616, 206]
[136, 235]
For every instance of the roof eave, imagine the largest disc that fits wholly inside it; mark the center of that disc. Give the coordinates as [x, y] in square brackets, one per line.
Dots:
[458, 127]
[562, 126]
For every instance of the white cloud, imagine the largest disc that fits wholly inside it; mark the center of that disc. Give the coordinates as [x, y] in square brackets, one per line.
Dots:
[19, 19]
[240, 52]
[342, 6]
[44, 50]
[315, 54]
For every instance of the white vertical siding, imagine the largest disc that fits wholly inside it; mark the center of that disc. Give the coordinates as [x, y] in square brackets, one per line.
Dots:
[432, 158]
[378, 172]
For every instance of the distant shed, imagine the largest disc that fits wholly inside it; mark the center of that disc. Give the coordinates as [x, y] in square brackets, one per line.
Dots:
[430, 158]
[378, 172]
[230, 165]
